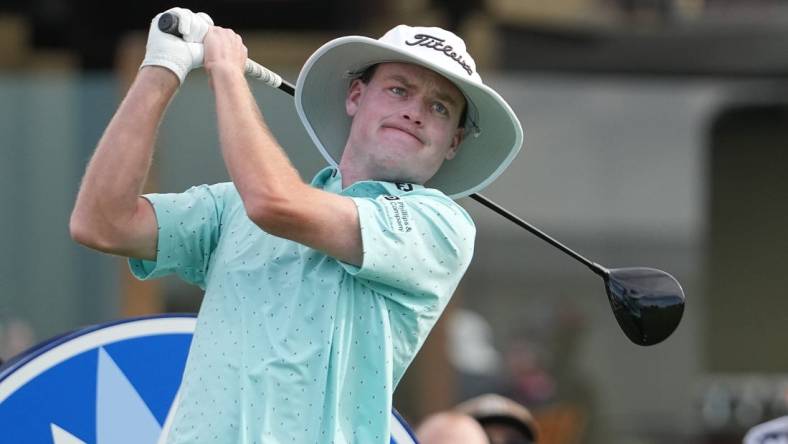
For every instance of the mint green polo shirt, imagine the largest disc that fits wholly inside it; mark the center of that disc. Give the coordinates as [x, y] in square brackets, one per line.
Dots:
[292, 345]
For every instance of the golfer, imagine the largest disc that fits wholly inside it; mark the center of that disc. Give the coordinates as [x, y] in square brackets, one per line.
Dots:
[317, 296]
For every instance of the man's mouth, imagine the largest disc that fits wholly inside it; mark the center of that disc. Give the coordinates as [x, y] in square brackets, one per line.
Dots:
[403, 130]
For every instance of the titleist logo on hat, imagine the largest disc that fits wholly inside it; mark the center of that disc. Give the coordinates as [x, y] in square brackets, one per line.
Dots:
[437, 44]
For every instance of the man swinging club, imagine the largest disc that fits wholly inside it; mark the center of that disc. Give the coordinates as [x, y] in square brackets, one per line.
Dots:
[317, 297]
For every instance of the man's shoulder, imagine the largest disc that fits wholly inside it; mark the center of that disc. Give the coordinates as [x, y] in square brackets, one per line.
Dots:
[434, 195]
[432, 204]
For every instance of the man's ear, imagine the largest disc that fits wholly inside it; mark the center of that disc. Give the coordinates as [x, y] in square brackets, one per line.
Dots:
[353, 99]
[456, 140]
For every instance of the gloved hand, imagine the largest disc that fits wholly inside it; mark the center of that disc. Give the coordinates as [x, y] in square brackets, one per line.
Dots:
[178, 55]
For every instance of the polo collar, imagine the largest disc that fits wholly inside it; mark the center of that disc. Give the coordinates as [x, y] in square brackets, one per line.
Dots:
[330, 179]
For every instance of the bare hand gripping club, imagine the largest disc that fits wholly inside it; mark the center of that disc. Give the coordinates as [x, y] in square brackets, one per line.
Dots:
[169, 23]
[647, 303]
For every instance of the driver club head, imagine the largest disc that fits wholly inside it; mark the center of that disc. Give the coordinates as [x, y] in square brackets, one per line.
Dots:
[647, 303]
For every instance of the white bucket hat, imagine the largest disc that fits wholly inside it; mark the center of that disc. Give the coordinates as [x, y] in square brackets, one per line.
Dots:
[493, 134]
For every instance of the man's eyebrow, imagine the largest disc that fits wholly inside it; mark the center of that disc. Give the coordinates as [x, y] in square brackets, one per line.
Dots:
[401, 79]
[440, 95]
[446, 98]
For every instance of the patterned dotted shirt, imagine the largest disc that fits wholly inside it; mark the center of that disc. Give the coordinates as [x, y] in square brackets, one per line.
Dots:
[291, 345]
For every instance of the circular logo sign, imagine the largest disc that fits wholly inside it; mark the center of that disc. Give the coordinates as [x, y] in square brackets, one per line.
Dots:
[113, 383]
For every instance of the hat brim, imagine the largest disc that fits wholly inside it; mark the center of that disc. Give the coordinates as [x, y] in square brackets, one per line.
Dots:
[322, 88]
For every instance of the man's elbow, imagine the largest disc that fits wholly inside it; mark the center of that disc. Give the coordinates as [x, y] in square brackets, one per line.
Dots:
[84, 233]
[273, 215]
[79, 230]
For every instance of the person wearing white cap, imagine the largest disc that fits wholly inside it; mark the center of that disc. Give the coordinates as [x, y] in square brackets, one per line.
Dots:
[317, 296]
[774, 431]
[450, 428]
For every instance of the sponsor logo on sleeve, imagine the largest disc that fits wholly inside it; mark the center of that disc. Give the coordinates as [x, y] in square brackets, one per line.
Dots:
[397, 214]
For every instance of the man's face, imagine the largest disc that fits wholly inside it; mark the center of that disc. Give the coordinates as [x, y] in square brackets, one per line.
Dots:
[405, 123]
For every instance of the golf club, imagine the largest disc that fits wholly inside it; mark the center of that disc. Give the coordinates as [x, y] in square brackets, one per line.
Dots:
[647, 303]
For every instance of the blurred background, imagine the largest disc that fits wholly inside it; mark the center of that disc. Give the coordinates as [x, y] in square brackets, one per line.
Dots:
[656, 134]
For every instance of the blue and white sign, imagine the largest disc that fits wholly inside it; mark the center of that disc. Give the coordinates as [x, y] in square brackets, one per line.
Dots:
[113, 383]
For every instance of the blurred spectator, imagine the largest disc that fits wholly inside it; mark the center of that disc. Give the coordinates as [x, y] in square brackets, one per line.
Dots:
[471, 353]
[450, 428]
[544, 375]
[528, 363]
[539, 369]
[504, 421]
[771, 432]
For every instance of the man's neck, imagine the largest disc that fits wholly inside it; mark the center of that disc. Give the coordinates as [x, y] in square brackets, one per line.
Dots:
[351, 173]
[354, 170]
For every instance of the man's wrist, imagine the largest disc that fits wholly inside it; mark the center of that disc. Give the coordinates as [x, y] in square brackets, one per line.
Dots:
[224, 71]
[161, 77]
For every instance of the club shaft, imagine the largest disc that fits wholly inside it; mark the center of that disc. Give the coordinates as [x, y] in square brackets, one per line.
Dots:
[287, 87]
[596, 268]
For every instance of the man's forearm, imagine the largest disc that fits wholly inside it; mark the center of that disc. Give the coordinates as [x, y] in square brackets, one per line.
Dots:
[117, 171]
[257, 164]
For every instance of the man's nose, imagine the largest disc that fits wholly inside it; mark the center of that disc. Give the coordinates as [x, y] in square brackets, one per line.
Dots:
[414, 112]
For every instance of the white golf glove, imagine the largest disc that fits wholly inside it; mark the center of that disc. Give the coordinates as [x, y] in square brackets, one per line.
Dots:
[179, 55]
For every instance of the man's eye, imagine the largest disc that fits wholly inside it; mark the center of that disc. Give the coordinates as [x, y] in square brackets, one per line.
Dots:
[440, 108]
[397, 90]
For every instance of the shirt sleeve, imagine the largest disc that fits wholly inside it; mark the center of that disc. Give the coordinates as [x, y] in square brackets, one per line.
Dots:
[189, 225]
[415, 248]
